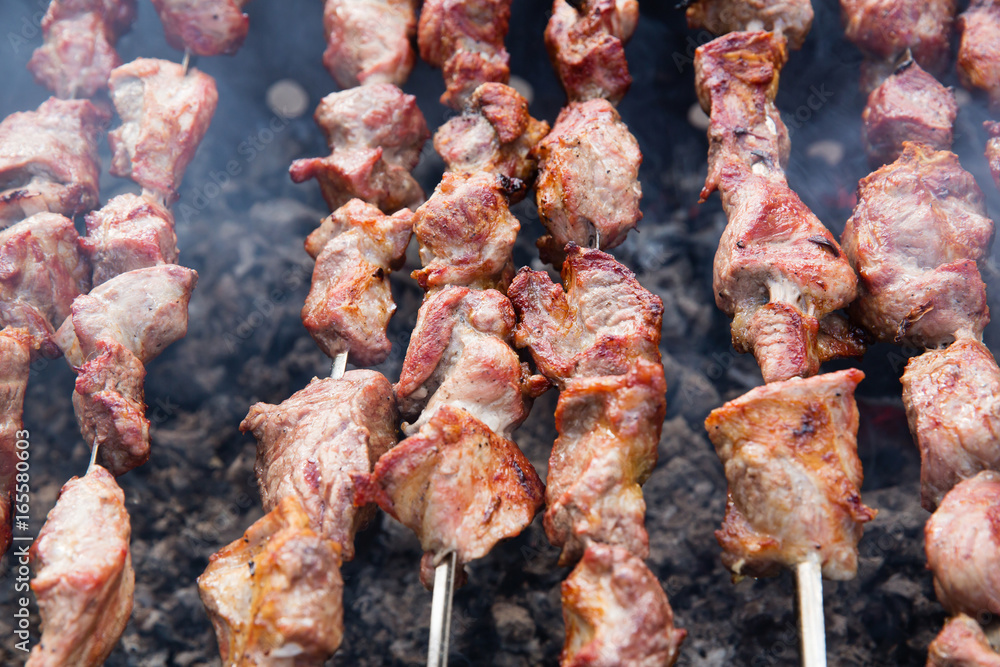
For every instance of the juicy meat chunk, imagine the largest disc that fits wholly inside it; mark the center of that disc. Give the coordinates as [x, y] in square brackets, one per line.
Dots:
[979, 49]
[49, 160]
[586, 44]
[465, 38]
[916, 233]
[165, 113]
[962, 643]
[458, 485]
[494, 134]
[617, 613]
[790, 18]
[368, 41]
[588, 187]
[204, 27]
[350, 301]
[84, 579]
[993, 150]
[375, 134]
[129, 233]
[467, 232]
[15, 355]
[791, 459]
[910, 105]
[275, 596]
[310, 446]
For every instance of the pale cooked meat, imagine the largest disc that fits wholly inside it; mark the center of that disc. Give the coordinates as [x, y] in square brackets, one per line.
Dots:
[42, 271]
[495, 133]
[910, 105]
[916, 233]
[458, 485]
[962, 539]
[979, 49]
[375, 134]
[616, 613]
[465, 39]
[84, 579]
[310, 445]
[467, 232]
[275, 596]
[145, 310]
[962, 643]
[165, 113]
[49, 160]
[130, 232]
[204, 27]
[588, 187]
[993, 150]
[15, 355]
[791, 18]
[368, 41]
[586, 44]
[350, 302]
[791, 459]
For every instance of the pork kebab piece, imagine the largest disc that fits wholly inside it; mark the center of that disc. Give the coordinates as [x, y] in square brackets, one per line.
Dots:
[979, 49]
[204, 27]
[962, 643]
[790, 18]
[15, 355]
[368, 41]
[993, 150]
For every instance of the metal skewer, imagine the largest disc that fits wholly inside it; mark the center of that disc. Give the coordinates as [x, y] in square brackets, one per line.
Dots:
[444, 587]
[809, 578]
[187, 61]
[93, 456]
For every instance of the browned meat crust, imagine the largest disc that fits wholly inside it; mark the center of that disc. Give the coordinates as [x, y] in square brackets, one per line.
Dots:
[15, 355]
[204, 27]
[979, 49]
[962, 643]
[129, 233]
[791, 18]
[368, 41]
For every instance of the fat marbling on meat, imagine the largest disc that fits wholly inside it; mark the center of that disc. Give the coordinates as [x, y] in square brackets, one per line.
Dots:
[130, 232]
[204, 27]
[790, 18]
[368, 41]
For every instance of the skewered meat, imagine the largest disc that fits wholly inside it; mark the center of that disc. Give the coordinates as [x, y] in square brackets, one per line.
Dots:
[914, 238]
[962, 539]
[368, 41]
[778, 271]
[350, 302]
[467, 232]
[204, 27]
[790, 456]
[84, 578]
[310, 445]
[275, 595]
[165, 113]
[791, 18]
[129, 233]
[15, 354]
[910, 105]
[586, 44]
[49, 160]
[993, 150]
[495, 134]
[458, 485]
[962, 643]
[588, 188]
[979, 49]
[616, 613]
[952, 399]
[42, 271]
[375, 134]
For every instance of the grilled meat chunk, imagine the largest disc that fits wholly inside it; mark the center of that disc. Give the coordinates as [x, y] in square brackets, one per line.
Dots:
[275, 596]
[15, 355]
[916, 233]
[309, 446]
[962, 643]
[790, 18]
[84, 578]
[993, 150]
[375, 133]
[204, 27]
[616, 613]
[791, 460]
[979, 49]
[586, 44]
[368, 41]
[129, 233]
[49, 160]
[465, 39]
[350, 302]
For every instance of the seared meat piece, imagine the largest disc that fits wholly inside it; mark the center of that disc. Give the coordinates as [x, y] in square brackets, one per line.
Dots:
[467, 232]
[42, 270]
[952, 399]
[993, 150]
[616, 613]
[914, 238]
[588, 188]
[129, 233]
[49, 160]
[910, 105]
[495, 134]
[586, 44]
[375, 133]
[791, 18]
[962, 643]
[368, 41]
[962, 539]
[979, 49]
[458, 485]
[145, 310]
[791, 458]
[84, 578]
[310, 445]
[15, 355]
[465, 39]
[165, 114]
[275, 596]
[204, 27]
